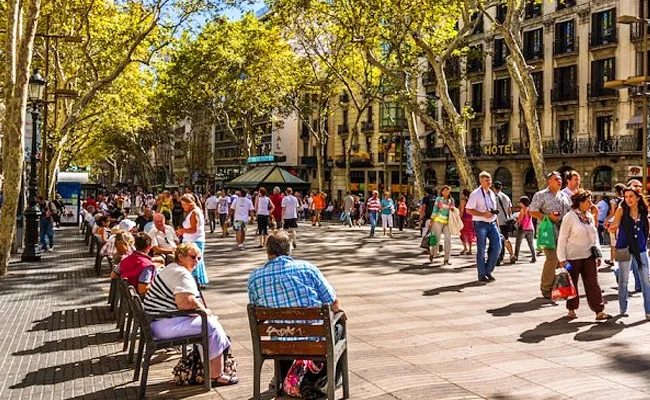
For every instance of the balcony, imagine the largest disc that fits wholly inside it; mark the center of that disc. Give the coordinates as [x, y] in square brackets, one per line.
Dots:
[623, 144]
[474, 66]
[636, 32]
[603, 39]
[598, 92]
[563, 47]
[343, 129]
[309, 161]
[367, 126]
[501, 104]
[532, 10]
[532, 54]
[565, 94]
[356, 160]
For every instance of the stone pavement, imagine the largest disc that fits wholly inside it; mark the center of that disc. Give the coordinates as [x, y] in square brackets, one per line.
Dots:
[416, 331]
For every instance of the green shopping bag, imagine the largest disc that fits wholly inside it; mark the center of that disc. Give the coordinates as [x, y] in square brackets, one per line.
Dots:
[432, 240]
[546, 234]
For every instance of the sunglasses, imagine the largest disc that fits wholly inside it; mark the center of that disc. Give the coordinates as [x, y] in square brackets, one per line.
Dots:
[195, 257]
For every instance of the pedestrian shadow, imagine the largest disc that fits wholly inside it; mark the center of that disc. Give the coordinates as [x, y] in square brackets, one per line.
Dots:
[452, 288]
[73, 370]
[74, 318]
[72, 343]
[161, 390]
[605, 330]
[546, 330]
[517, 308]
[428, 269]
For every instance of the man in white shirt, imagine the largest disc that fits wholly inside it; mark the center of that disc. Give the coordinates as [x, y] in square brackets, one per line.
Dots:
[163, 237]
[211, 204]
[482, 205]
[290, 206]
[572, 183]
[242, 210]
[223, 205]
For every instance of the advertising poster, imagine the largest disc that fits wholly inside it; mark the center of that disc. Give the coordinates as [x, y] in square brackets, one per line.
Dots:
[70, 193]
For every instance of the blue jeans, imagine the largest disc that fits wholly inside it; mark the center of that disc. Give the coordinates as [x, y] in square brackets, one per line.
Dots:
[372, 215]
[624, 273]
[47, 230]
[486, 231]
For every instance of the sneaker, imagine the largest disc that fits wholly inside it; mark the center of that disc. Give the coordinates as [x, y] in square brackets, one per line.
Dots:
[51, 249]
[484, 279]
[491, 278]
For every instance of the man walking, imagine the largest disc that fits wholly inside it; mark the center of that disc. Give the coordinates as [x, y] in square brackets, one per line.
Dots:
[551, 203]
[348, 204]
[318, 205]
[47, 222]
[504, 205]
[482, 205]
[290, 207]
[242, 211]
[223, 205]
[211, 204]
[373, 206]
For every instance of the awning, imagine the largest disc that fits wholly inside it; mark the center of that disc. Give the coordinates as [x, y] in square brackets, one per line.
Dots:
[635, 122]
[268, 176]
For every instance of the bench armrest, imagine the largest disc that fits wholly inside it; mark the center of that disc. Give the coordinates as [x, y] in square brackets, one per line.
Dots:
[179, 313]
[339, 316]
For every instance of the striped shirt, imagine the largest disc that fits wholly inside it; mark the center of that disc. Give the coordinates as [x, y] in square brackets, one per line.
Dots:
[172, 280]
[374, 204]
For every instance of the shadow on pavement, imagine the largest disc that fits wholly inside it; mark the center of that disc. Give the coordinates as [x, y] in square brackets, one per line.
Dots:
[72, 343]
[74, 318]
[605, 330]
[546, 330]
[516, 308]
[452, 288]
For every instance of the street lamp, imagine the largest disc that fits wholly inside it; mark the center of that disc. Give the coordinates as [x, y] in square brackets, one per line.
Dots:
[32, 214]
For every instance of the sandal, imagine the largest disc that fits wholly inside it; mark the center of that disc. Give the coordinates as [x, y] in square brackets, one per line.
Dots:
[232, 380]
[462, 253]
[572, 314]
[601, 316]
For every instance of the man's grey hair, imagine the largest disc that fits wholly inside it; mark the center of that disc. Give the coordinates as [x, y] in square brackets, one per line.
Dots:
[484, 174]
[276, 190]
[278, 244]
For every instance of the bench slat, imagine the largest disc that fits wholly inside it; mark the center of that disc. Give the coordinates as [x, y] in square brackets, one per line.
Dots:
[290, 330]
[294, 348]
[263, 314]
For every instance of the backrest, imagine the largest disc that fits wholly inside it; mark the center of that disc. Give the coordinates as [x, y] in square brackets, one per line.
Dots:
[300, 332]
[140, 315]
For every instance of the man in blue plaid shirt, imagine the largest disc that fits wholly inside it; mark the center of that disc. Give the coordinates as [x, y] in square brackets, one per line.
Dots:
[285, 282]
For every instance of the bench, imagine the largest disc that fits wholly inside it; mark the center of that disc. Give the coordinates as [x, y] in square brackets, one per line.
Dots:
[99, 258]
[313, 338]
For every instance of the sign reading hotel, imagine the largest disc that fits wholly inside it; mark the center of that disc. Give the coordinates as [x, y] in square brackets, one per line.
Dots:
[499, 150]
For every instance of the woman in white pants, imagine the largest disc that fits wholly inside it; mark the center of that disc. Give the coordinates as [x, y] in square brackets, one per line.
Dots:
[440, 220]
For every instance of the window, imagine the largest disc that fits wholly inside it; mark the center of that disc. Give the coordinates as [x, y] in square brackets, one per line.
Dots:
[392, 116]
[475, 59]
[534, 44]
[566, 130]
[565, 41]
[601, 72]
[500, 53]
[479, 26]
[476, 135]
[502, 96]
[603, 177]
[477, 97]
[565, 83]
[562, 4]
[432, 105]
[538, 78]
[603, 28]
[603, 133]
[502, 10]
[451, 175]
[369, 114]
[533, 9]
[454, 94]
[452, 68]
[503, 133]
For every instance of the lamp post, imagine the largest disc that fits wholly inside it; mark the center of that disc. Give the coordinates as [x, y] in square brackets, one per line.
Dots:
[32, 214]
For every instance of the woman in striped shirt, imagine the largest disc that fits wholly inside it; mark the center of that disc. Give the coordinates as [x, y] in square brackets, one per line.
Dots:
[372, 210]
[175, 289]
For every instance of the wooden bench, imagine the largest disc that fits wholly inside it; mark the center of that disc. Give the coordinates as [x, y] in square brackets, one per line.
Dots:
[313, 338]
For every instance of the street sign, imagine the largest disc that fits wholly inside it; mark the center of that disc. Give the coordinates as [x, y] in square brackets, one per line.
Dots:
[260, 159]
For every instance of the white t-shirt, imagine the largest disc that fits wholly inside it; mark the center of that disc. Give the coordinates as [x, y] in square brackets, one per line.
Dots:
[242, 207]
[164, 240]
[289, 207]
[224, 203]
[477, 201]
[127, 202]
[211, 203]
[263, 205]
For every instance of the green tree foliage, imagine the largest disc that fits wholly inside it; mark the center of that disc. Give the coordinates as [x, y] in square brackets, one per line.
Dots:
[241, 71]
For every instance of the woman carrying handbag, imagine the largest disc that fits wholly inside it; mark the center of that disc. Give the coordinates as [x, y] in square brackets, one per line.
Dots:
[631, 226]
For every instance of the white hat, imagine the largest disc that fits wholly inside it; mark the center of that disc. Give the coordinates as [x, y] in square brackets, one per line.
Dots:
[127, 225]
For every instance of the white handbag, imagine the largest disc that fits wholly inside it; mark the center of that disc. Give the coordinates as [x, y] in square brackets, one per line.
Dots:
[455, 222]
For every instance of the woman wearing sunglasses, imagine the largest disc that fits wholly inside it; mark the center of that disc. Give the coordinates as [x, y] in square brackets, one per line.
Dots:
[175, 289]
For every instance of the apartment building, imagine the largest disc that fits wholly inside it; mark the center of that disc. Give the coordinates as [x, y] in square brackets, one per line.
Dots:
[574, 46]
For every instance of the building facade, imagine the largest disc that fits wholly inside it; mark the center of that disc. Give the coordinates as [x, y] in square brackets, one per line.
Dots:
[574, 47]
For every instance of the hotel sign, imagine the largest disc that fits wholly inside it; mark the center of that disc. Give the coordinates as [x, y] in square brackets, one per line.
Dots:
[500, 150]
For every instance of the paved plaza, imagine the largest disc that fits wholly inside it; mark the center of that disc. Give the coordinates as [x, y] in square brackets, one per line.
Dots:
[416, 330]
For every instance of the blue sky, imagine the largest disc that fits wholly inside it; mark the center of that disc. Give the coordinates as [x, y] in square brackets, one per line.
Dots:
[236, 14]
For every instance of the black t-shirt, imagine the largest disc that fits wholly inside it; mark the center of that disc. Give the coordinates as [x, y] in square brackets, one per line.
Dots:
[141, 221]
[428, 202]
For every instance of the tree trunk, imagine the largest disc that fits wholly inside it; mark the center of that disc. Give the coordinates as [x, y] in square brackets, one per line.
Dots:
[354, 132]
[52, 170]
[21, 24]
[416, 152]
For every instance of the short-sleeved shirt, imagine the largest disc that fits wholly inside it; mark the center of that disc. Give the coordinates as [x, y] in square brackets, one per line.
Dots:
[603, 210]
[224, 204]
[172, 280]
[136, 268]
[319, 202]
[242, 208]
[290, 207]
[211, 203]
[546, 202]
[373, 204]
[482, 201]
[348, 203]
[503, 205]
[285, 282]
[165, 239]
[387, 206]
